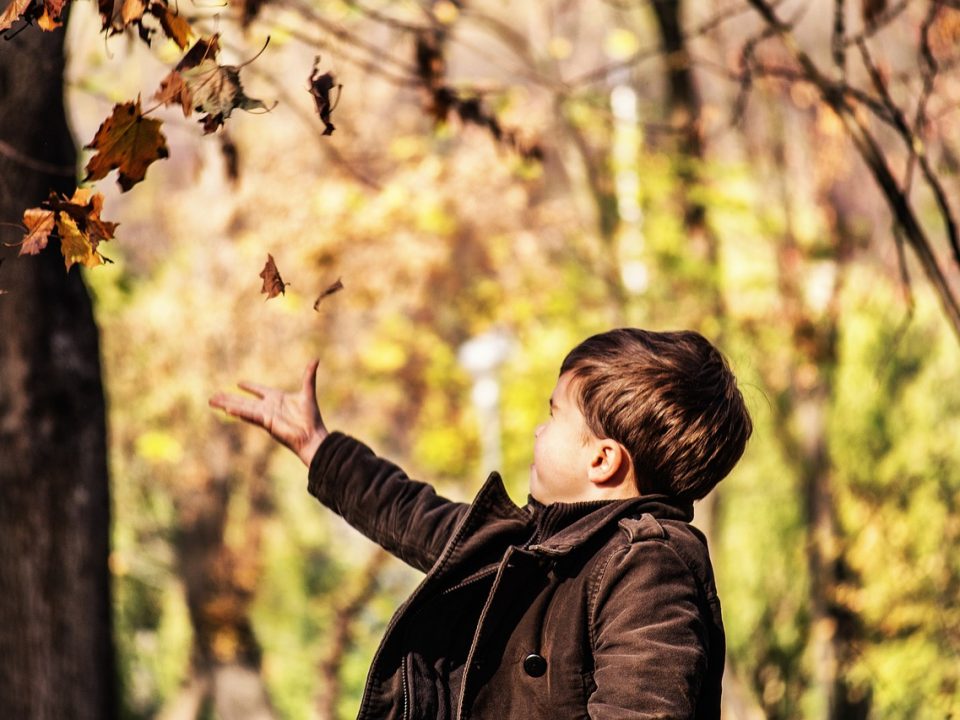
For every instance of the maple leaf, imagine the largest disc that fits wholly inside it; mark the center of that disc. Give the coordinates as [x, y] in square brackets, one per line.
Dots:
[335, 287]
[84, 207]
[52, 10]
[216, 90]
[174, 90]
[15, 10]
[131, 11]
[273, 284]
[320, 87]
[76, 245]
[39, 223]
[200, 83]
[173, 24]
[126, 141]
[205, 47]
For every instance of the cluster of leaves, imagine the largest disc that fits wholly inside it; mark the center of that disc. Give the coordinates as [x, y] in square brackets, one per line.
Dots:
[128, 141]
[77, 223]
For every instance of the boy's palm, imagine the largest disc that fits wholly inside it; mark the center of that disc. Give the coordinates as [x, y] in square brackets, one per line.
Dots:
[291, 418]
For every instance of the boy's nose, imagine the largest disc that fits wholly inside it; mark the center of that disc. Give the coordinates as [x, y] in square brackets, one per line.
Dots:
[538, 429]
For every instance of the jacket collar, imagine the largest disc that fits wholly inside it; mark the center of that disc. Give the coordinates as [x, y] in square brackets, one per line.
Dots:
[493, 501]
[577, 533]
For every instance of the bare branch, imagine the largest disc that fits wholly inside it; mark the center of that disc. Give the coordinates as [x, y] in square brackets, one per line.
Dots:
[915, 148]
[837, 46]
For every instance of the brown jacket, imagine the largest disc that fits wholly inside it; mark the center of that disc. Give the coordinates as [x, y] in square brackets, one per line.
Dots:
[613, 615]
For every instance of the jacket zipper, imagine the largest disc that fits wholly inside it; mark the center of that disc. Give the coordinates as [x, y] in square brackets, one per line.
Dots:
[406, 689]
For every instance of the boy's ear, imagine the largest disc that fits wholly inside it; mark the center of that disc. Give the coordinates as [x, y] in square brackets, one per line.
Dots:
[609, 462]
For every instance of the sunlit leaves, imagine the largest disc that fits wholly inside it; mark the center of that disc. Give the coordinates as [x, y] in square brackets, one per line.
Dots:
[77, 223]
[126, 141]
[39, 223]
[46, 12]
[13, 12]
[117, 15]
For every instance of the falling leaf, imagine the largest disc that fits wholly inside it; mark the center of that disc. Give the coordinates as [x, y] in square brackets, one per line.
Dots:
[39, 224]
[126, 141]
[174, 25]
[132, 11]
[273, 284]
[52, 10]
[174, 90]
[14, 12]
[205, 47]
[200, 83]
[335, 287]
[320, 87]
[76, 245]
[216, 90]
[78, 223]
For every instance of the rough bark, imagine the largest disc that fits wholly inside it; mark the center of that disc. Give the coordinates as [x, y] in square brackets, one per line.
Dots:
[56, 653]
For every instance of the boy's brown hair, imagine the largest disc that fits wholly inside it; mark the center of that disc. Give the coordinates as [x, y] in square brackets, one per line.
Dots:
[670, 399]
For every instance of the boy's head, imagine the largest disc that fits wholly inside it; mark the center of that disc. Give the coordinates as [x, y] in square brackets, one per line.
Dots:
[668, 398]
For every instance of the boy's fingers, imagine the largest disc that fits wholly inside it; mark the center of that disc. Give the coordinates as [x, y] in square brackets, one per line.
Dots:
[254, 388]
[310, 378]
[237, 406]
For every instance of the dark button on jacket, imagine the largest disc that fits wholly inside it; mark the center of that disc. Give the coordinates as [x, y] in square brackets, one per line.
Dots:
[534, 665]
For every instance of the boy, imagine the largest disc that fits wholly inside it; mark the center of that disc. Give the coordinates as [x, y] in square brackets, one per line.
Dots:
[597, 598]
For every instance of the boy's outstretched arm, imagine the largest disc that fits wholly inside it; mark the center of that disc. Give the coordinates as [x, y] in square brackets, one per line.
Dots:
[404, 516]
[293, 419]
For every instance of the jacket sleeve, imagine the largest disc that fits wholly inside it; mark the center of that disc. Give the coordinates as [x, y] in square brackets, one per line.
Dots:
[649, 639]
[405, 517]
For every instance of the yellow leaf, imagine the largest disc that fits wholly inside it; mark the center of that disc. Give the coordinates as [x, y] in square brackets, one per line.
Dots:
[75, 245]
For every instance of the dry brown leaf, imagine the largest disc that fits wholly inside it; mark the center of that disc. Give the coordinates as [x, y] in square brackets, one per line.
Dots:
[174, 25]
[273, 284]
[335, 287]
[173, 90]
[126, 141]
[321, 87]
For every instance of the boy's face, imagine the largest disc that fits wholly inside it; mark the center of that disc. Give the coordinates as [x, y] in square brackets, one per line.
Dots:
[562, 452]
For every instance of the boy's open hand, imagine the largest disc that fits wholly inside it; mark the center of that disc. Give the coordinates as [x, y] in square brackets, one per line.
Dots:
[291, 418]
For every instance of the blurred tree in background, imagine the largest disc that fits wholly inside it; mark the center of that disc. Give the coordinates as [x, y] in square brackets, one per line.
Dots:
[754, 171]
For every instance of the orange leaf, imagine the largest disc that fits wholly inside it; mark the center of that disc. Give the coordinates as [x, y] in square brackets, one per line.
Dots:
[273, 284]
[39, 223]
[14, 12]
[174, 25]
[131, 11]
[126, 141]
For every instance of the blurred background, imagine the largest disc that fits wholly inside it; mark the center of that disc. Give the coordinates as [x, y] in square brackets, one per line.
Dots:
[505, 179]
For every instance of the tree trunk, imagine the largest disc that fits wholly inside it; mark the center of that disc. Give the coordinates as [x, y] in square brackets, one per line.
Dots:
[56, 650]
